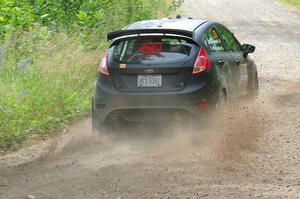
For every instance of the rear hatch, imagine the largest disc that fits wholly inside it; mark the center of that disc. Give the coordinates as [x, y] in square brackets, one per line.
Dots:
[152, 63]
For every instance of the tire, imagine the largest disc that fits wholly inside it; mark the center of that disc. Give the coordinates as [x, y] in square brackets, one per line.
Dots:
[102, 127]
[253, 86]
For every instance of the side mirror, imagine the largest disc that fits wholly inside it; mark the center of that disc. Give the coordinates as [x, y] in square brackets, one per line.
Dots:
[247, 48]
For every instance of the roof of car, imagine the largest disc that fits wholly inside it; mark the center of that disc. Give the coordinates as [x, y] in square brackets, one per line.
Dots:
[184, 27]
[186, 24]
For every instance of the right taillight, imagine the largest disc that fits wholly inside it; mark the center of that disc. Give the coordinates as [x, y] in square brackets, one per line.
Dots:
[202, 63]
[103, 68]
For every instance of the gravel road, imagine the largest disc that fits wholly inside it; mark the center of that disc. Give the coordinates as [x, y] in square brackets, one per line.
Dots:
[253, 152]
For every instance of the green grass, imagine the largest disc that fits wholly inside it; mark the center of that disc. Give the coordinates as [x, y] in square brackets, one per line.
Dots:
[54, 87]
[292, 2]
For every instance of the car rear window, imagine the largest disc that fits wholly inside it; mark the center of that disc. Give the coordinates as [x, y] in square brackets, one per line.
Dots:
[152, 50]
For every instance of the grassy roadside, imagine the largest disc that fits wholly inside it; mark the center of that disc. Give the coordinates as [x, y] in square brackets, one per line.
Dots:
[295, 3]
[46, 77]
[45, 89]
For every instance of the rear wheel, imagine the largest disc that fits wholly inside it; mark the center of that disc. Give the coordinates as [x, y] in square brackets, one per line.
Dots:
[102, 127]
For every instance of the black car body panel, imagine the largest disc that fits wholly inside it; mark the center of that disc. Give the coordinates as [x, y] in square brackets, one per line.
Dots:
[107, 98]
[178, 24]
[133, 55]
[140, 32]
[184, 27]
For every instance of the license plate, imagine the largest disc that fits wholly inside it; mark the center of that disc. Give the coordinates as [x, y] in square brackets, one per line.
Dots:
[149, 81]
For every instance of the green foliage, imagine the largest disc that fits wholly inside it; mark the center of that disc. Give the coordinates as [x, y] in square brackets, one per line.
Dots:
[75, 14]
[292, 2]
[49, 54]
[46, 88]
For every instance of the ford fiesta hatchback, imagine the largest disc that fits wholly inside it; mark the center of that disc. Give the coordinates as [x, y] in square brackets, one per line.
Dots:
[158, 69]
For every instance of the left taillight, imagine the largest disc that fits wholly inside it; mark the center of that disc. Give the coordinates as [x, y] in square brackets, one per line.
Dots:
[103, 68]
[202, 63]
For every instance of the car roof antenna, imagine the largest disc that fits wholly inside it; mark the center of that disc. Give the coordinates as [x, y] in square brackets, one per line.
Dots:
[180, 17]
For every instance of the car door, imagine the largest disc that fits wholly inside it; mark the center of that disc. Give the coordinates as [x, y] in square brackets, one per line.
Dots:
[222, 59]
[239, 78]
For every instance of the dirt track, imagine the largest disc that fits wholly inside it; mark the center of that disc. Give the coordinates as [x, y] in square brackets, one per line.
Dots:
[254, 152]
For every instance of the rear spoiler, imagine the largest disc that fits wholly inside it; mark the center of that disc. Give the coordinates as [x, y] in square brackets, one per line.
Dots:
[140, 32]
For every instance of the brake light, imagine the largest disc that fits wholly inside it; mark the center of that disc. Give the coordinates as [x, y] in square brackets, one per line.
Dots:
[103, 68]
[202, 63]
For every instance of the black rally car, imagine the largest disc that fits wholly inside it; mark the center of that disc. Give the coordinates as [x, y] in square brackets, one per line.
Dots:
[157, 69]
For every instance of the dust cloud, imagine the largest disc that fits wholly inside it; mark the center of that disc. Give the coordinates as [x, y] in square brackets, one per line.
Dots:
[225, 135]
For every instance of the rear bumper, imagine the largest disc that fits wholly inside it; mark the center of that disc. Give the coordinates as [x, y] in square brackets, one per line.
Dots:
[107, 101]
